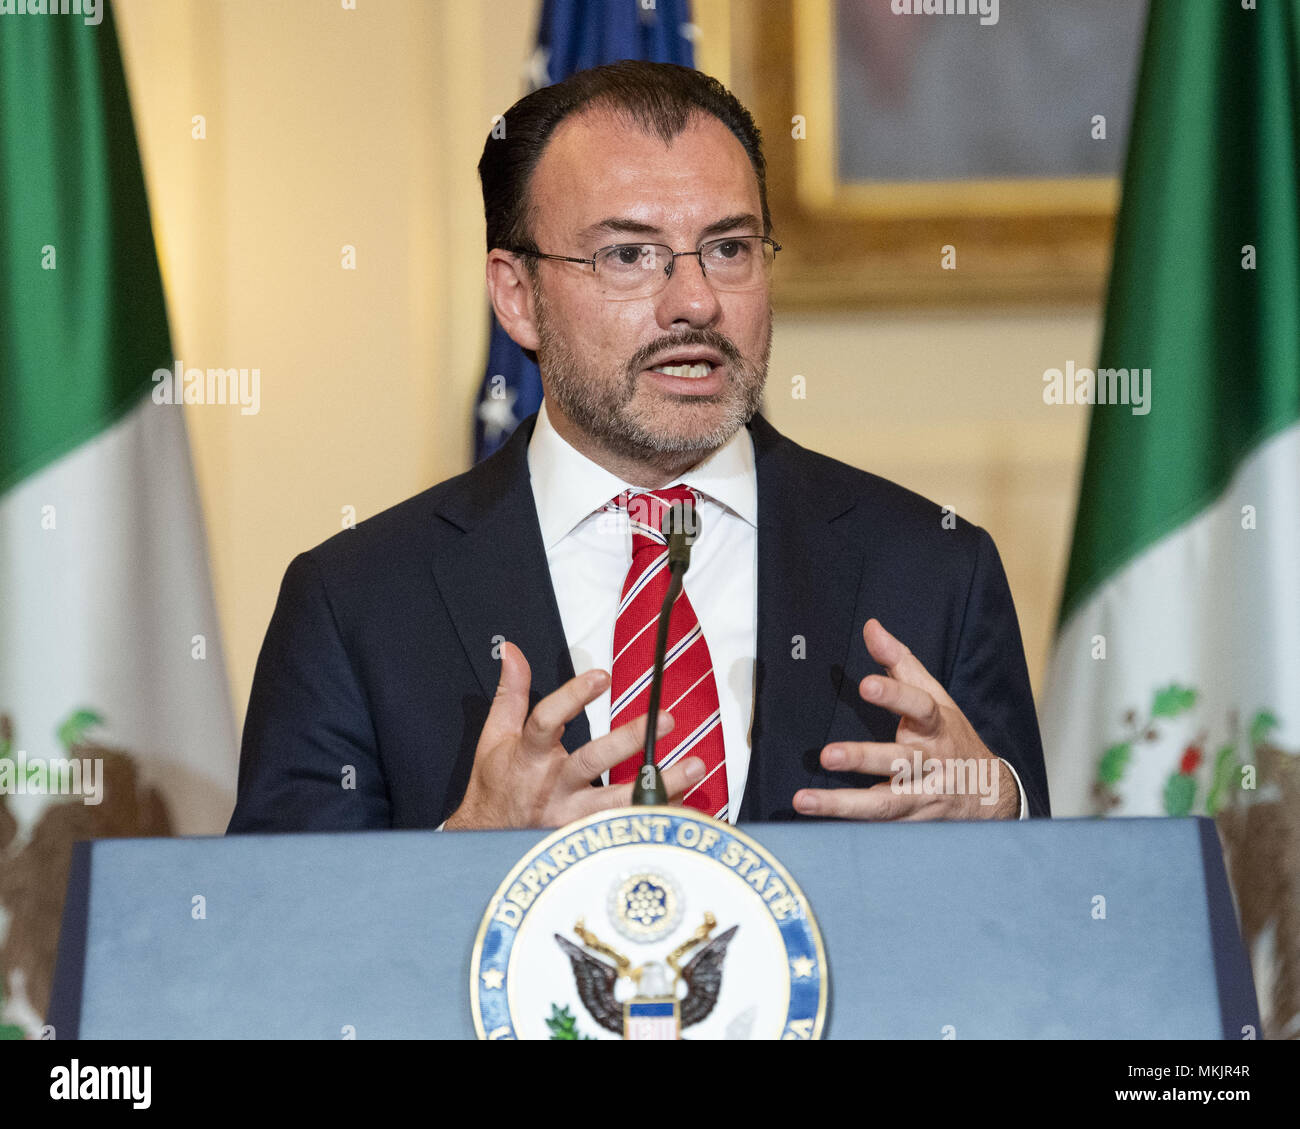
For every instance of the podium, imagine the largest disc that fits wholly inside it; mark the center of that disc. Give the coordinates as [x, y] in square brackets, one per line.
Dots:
[1100, 929]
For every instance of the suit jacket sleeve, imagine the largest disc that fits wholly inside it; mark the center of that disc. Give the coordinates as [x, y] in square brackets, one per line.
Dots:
[990, 681]
[309, 758]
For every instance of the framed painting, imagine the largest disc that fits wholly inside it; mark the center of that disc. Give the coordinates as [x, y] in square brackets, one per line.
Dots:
[934, 152]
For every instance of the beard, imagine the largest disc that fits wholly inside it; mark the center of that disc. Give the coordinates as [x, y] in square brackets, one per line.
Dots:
[662, 428]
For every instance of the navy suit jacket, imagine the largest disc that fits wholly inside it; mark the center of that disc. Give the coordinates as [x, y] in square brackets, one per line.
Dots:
[378, 667]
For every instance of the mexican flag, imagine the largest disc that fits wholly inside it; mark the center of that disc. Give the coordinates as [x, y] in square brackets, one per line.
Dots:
[1175, 681]
[115, 713]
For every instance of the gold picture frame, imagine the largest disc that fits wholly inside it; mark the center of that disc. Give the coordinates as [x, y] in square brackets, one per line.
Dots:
[857, 245]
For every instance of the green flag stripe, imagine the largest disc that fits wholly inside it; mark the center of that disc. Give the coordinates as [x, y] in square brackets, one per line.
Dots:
[78, 343]
[1213, 165]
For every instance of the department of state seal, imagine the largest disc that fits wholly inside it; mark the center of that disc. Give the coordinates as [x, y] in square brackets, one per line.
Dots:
[649, 923]
[645, 906]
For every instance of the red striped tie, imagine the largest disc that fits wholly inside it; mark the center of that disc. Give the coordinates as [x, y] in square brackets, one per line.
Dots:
[689, 692]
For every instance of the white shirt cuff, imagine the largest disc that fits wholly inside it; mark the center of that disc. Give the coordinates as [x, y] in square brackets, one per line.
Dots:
[1024, 803]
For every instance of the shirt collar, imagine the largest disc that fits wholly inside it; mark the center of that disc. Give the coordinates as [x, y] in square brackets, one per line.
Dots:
[568, 486]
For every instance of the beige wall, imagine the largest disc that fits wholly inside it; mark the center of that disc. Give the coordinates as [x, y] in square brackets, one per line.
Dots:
[325, 127]
[328, 127]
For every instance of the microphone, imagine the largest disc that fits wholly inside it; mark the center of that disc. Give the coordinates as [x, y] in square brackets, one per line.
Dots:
[681, 525]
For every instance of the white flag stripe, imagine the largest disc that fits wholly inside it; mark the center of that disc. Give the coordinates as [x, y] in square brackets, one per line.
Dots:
[124, 603]
[1243, 645]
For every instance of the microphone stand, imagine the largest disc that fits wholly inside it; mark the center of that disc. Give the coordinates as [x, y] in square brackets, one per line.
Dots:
[648, 788]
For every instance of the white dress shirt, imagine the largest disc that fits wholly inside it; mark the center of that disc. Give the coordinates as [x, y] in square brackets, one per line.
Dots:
[589, 551]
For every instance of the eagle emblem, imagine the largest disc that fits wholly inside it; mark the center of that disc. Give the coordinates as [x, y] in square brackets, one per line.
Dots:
[643, 878]
[657, 1008]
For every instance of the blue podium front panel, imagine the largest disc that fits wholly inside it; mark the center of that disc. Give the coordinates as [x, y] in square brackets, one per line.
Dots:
[1045, 929]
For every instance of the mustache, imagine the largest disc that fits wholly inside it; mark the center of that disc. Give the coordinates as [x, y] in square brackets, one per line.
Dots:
[703, 338]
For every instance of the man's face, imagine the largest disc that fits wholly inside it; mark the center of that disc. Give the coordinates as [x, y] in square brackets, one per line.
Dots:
[601, 182]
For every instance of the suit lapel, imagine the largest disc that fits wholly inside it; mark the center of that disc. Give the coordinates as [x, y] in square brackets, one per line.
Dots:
[495, 581]
[808, 577]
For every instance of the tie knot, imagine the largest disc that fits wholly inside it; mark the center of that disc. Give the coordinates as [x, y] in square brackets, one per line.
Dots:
[647, 510]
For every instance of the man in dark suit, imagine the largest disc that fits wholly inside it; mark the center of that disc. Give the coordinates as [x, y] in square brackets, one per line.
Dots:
[477, 656]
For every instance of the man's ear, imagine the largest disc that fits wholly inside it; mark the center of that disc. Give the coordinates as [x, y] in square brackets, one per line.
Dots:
[511, 289]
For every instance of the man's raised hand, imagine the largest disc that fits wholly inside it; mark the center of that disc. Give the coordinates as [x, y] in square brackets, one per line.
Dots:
[930, 724]
[522, 774]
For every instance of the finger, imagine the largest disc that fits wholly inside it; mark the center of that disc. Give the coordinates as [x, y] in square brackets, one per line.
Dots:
[875, 758]
[602, 754]
[510, 702]
[879, 802]
[683, 776]
[897, 660]
[545, 725]
[678, 780]
[911, 702]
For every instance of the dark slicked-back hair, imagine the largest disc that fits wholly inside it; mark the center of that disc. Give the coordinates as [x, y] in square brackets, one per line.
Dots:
[660, 99]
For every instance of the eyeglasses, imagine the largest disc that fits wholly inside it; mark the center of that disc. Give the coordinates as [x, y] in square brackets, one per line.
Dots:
[641, 270]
